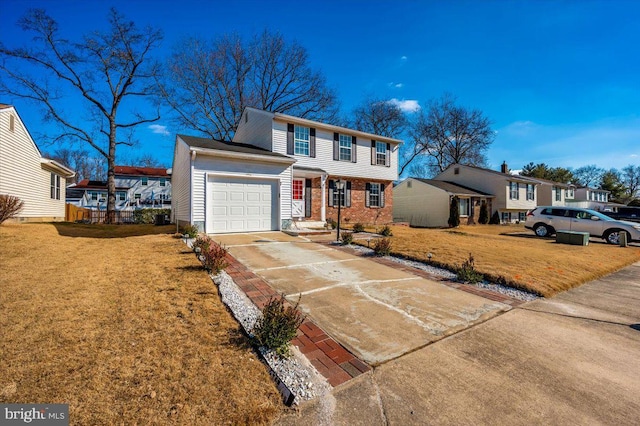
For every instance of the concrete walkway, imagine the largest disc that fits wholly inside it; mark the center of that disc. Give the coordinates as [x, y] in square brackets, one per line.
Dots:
[377, 312]
[573, 359]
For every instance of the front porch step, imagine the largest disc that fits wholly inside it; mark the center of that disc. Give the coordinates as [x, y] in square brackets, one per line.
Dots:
[308, 224]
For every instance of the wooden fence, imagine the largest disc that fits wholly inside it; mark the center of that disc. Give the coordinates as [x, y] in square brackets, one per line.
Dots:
[79, 214]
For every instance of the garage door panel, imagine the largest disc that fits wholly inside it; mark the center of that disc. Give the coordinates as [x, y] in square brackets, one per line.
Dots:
[242, 205]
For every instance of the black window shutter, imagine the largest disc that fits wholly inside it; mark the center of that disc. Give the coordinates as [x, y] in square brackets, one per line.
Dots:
[290, 139]
[388, 156]
[307, 197]
[354, 149]
[381, 195]
[312, 142]
[373, 152]
[336, 147]
[348, 194]
[367, 193]
[332, 185]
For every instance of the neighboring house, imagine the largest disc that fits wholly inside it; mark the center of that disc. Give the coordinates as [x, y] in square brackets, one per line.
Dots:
[426, 202]
[39, 182]
[136, 188]
[552, 193]
[514, 195]
[592, 198]
[279, 170]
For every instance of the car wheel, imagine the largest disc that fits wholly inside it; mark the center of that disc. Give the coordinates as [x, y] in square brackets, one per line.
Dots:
[613, 236]
[542, 230]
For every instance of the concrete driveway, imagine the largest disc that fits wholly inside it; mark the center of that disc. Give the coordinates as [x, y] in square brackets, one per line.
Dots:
[377, 312]
[573, 359]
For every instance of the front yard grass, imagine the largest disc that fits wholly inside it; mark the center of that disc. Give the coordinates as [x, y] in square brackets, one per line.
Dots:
[123, 324]
[513, 255]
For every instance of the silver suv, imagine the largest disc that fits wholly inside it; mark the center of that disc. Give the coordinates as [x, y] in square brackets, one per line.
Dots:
[546, 220]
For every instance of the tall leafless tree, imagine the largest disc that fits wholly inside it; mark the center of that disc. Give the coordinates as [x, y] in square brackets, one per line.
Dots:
[380, 117]
[104, 71]
[447, 134]
[630, 178]
[210, 82]
[588, 175]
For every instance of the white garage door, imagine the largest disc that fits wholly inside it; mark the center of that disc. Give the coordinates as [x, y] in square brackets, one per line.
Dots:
[242, 205]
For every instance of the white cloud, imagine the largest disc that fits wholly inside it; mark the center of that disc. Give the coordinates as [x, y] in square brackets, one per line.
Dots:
[406, 105]
[159, 129]
[396, 85]
[403, 58]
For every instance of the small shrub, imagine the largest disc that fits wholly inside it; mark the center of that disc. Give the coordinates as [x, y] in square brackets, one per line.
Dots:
[332, 223]
[9, 206]
[495, 219]
[385, 231]
[358, 227]
[467, 272]
[454, 213]
[203, 243]
[278, 325]
[346, 237]
[483, 217]
[214, 259]
[382, 246]
[148, 215]
[191, 230]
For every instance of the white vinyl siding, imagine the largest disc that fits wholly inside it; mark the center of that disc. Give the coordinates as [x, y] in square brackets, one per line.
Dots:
[325, 160]
[22, 173]
[255, 128]
[181, 182]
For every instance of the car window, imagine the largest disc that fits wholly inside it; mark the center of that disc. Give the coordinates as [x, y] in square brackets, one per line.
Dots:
[558, 212]
[583, 215]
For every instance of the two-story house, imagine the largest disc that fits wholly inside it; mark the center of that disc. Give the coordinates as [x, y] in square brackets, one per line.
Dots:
[514, 195]
[591, 198]
[136, 188]
[280, 169]
[552, 193]
[39, 182]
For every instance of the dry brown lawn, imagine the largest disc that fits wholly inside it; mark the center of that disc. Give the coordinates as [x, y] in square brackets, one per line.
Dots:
[514, 255]
[121, 323]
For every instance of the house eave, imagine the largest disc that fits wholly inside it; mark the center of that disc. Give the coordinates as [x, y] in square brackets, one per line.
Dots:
[242, 156]
[57, 168]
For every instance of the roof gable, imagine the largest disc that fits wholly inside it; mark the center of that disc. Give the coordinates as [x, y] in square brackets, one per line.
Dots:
[453, 188]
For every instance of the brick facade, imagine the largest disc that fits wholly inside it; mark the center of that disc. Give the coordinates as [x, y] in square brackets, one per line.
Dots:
[357, 212]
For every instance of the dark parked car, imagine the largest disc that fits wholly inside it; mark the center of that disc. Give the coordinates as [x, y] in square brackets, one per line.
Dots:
[631, 214]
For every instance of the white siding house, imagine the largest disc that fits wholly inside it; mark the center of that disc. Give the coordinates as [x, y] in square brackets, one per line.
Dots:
[279, 170]
[39, 182]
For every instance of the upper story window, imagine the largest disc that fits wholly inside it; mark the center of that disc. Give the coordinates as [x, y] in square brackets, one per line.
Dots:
[531, 192]
[301, 140]
[345, 148]
[145, 181]
[513, 191]
[163, 182]
[55, 186]
[568, 193]
[558, 193]
[93, 195]
[122, 196]
[381, 153]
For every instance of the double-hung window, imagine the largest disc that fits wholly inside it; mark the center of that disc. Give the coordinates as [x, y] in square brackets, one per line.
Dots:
[163, 181]
[345, 148]
[145, 181]
[464, 207]
[374, 195]
[55, 186]
[558, 193]
[381, 153]
[301, 140]
[530, 192]
[513, 190]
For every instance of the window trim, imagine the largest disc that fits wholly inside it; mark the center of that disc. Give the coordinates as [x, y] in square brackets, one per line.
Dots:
[299, 142]
[531, 192]
[55, 183]
[511, 190]
[345, 142]
[466, 213]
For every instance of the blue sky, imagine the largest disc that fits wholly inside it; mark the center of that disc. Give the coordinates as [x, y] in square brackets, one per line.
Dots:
[560, 80]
